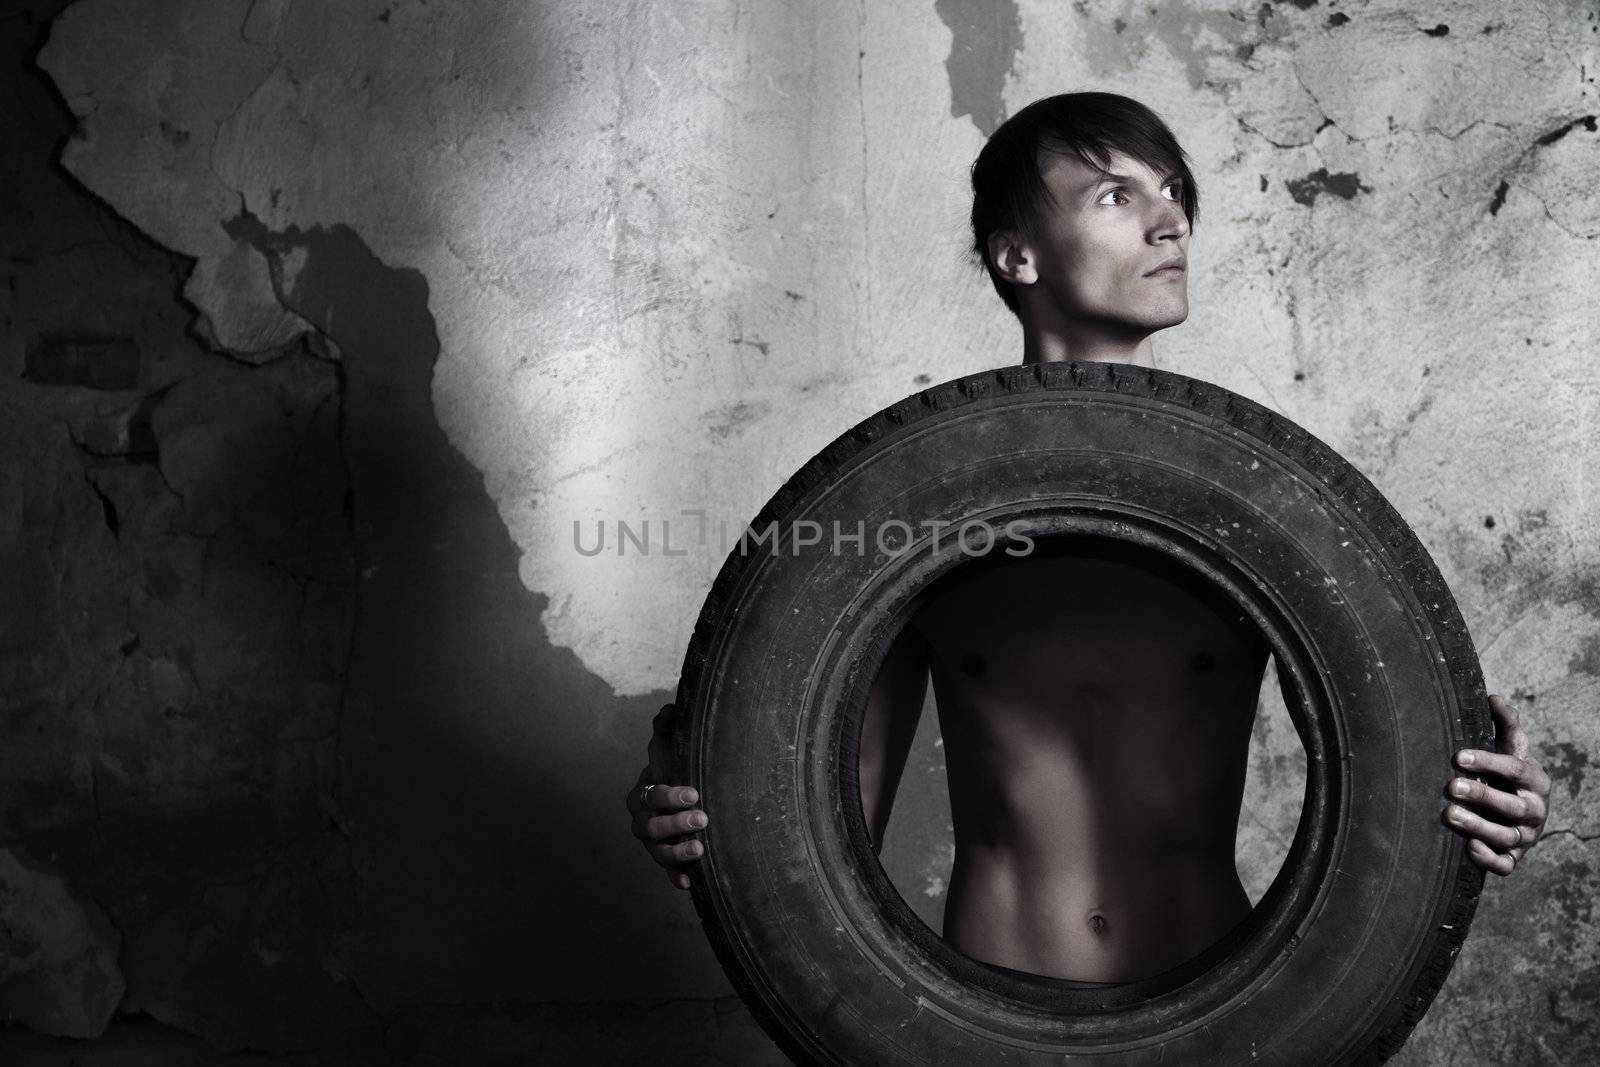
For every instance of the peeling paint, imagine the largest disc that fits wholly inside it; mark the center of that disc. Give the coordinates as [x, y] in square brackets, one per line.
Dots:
[1565, 764]
[985, 38]
[58, 953]
[172, 692]
[1572, 1005]
[1345, 186]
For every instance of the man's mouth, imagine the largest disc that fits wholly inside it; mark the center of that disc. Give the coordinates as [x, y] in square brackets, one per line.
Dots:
[1168, 269]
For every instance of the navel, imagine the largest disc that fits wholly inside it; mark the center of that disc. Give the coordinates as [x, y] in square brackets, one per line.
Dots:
[1098, 924]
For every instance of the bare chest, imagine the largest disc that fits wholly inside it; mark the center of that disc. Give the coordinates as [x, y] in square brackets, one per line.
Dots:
[1084, 629]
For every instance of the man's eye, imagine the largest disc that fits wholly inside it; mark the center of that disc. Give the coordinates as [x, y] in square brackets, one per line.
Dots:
[1106, 198]
[1173, 190]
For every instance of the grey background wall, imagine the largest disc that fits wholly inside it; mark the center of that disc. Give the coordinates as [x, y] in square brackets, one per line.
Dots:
[324, 324]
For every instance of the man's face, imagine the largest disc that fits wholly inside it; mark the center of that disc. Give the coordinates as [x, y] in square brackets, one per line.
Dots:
[1104, 248]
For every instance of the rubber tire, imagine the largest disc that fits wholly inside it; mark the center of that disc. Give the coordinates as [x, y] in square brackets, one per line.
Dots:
[1340, 958]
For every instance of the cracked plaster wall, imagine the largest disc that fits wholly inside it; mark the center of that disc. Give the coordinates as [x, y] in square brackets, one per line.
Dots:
[310, 701]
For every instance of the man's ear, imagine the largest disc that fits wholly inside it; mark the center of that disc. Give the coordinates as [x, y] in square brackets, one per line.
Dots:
[1012, 257]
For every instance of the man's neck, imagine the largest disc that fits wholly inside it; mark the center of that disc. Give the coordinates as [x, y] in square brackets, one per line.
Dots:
[1057, 346]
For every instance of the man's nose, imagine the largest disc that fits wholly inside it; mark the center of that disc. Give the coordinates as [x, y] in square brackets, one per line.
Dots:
[1169, 221]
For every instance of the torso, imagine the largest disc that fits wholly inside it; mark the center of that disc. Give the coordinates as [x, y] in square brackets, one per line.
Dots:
[1096, 734]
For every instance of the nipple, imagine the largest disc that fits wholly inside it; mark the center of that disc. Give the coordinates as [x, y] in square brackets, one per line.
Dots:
[973, 665]
[1097, 922]
[1203, 663]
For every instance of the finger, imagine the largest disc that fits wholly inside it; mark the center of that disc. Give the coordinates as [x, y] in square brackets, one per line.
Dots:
[679, 879]
[1508, 807]
[1538, 809]
[634, 801]
[1490, 860]
[1497, 835]
[1538, 813]
[672, 797]
[678, 854]
[1510, 737]
[650, 797]
[1524, 773]
[647, 827]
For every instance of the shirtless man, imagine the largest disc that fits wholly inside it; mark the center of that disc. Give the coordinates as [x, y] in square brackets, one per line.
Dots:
[1112, 687]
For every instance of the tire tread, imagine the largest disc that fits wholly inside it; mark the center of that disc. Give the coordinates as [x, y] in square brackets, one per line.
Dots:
[1244, 416]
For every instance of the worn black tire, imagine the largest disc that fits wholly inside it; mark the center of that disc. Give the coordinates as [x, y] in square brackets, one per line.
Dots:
[1344, 953]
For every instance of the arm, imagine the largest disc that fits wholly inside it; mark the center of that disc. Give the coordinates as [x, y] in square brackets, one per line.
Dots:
[663, 815]
[893, 707]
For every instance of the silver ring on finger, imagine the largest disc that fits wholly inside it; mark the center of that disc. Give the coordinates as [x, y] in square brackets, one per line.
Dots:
[644, 793]
[1520, 842]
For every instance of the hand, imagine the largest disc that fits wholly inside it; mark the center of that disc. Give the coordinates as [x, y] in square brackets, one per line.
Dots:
[1504, 816]
[661, 812]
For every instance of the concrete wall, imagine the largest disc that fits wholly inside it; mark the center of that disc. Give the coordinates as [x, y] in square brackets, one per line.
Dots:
[325, 323]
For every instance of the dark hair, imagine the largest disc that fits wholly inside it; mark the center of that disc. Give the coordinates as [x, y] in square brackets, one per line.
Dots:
[1008, 190]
